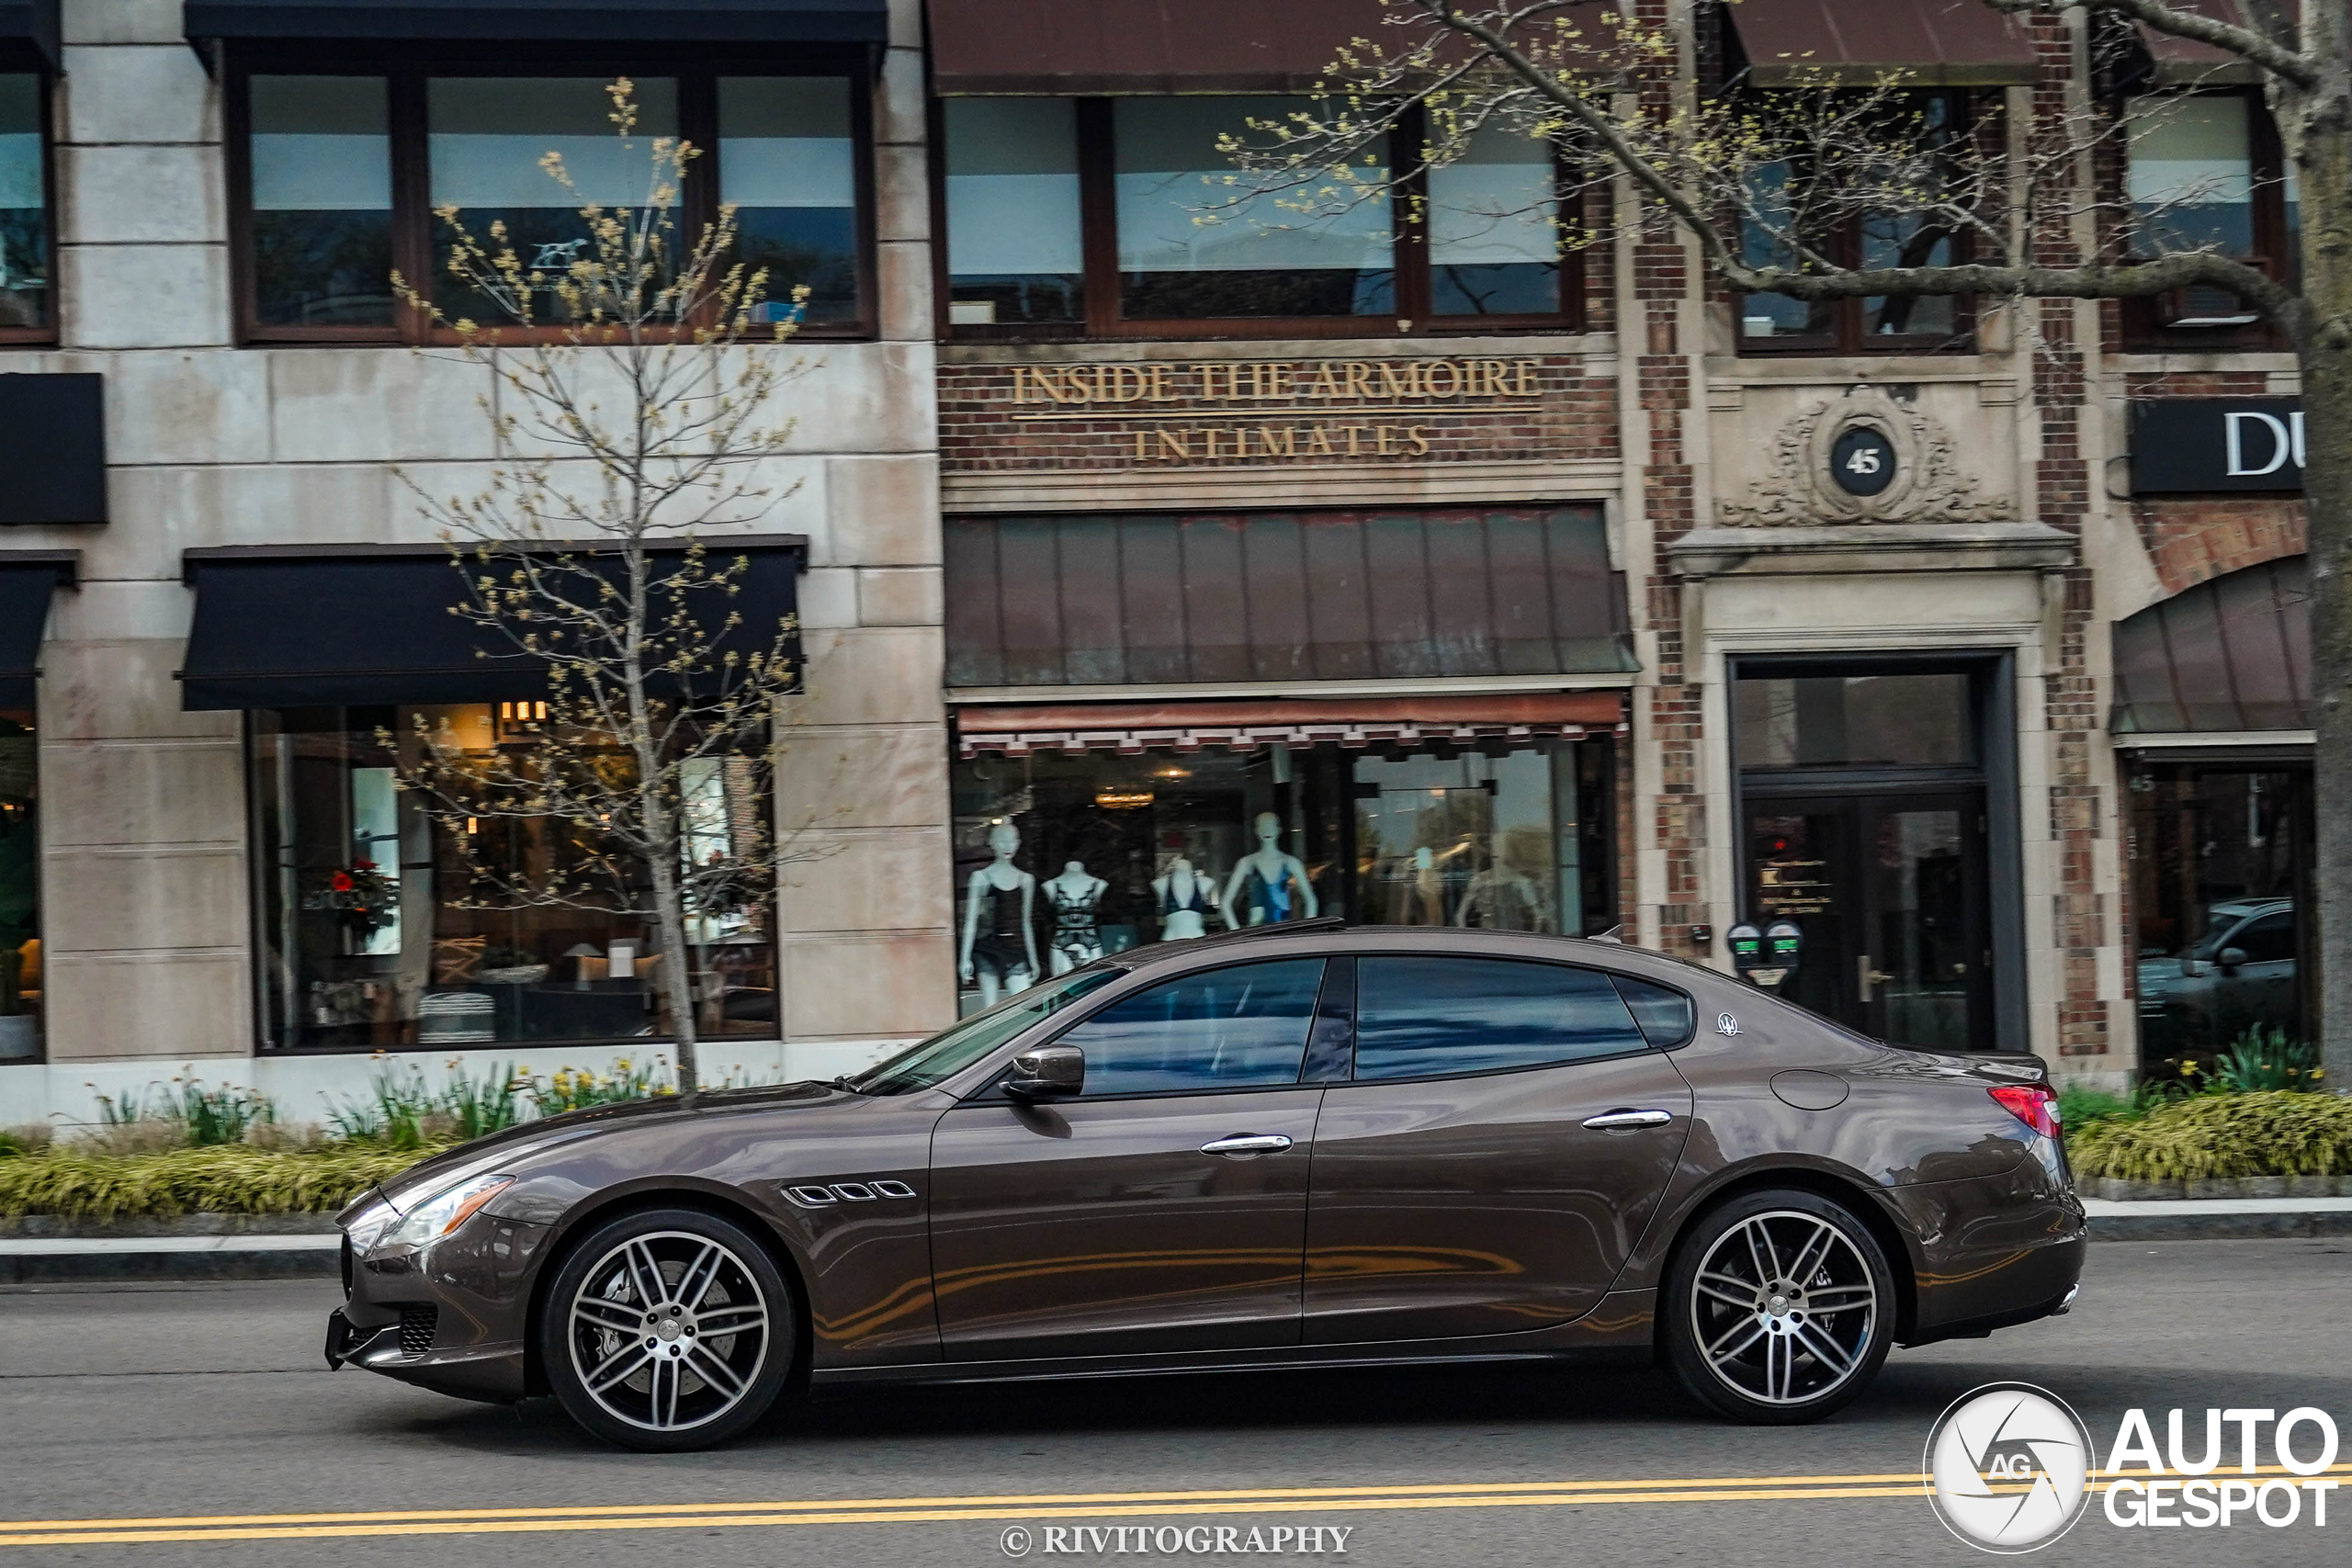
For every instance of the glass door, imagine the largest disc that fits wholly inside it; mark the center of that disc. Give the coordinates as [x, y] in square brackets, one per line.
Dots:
[1921, 975]
[1889, 892]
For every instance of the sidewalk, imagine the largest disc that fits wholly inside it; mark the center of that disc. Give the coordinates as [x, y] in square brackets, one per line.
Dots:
[197, 1248]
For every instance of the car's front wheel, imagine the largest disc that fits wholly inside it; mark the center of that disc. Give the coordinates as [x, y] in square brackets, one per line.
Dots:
[1779, 1308]
[667, 1330]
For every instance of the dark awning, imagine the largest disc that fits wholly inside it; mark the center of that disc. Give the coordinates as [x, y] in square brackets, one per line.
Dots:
[1154, 599]
[1074, 47]
[693, 21]
[33, 22]
[340, 627]
[26, 578]
[1130, 728]
[2232, 654]
[1933, 43]
[53, 447]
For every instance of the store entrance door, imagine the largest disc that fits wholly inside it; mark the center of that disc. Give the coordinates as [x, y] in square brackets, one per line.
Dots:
[1890, 891]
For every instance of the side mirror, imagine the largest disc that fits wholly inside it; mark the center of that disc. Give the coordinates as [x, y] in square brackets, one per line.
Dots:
[2231, 958]
[1048, 1072]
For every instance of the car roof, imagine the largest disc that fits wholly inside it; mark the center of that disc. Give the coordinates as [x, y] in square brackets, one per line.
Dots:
[1332, 934]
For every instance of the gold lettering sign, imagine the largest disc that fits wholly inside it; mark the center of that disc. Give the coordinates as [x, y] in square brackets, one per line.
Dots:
[1271, 411]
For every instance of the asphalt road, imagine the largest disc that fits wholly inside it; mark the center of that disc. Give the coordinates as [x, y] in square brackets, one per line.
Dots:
[129, 1402]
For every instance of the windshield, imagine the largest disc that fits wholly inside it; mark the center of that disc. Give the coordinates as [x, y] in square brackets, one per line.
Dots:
[945, 1054]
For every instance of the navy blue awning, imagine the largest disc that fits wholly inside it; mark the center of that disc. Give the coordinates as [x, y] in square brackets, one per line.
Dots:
[346, 627]
[33, 22]
[684, 21]
[26, 578]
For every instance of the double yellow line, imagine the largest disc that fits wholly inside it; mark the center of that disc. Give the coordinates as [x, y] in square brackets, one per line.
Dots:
[1042, 1507]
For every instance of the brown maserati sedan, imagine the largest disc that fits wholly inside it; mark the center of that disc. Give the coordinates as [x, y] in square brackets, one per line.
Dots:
[1303, 1147]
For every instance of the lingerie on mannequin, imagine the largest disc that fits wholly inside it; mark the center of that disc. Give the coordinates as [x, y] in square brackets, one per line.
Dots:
[1076, 938]
[1185, 899]
[999, 950]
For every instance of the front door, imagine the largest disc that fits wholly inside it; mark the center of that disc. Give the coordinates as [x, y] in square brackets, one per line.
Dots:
[1889, 891]
[1163, 1208]
[1500, 1150]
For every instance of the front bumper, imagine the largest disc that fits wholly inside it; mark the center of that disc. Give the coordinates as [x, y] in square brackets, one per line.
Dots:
[453, 1317]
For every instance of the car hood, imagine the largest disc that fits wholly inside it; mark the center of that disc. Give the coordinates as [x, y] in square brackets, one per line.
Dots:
[526, 1139]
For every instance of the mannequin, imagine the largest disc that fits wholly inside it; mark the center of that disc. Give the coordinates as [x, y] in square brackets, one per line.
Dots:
[1185, 896]
[1073, 895]
[1005, 956]
[1269, 885]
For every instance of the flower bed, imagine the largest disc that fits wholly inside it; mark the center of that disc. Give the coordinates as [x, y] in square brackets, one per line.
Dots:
[2205, 1136]
[85, 1184]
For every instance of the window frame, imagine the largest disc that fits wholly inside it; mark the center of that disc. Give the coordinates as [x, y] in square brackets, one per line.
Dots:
[1355, 1020]
[19, 57]
[405, 69]
[2149, 324]
[1103, 320]
[1848, 333]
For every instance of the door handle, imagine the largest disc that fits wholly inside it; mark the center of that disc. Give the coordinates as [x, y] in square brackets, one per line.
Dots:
[1615, 1120]
[1247, 1145]
[1866, 976]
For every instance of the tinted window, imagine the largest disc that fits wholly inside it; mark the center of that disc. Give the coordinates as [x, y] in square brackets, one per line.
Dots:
[1225, 1029]
[2267, 940]
[1429, 1017]
[949, 1051]
[1663, 1012]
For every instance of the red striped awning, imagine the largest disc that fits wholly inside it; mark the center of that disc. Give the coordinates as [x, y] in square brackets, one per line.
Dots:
[1132, 729]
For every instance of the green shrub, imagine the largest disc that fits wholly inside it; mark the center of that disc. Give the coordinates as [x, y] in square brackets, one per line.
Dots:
[2261, 1060]
[80, 1184]
[2276, 1132]
[2080, 1105]
[395, 1112]
[476, 1108]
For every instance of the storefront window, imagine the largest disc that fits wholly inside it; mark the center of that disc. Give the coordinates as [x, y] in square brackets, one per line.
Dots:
[1069, 856]
[20, 977]
[2219, 862]
[380, 930]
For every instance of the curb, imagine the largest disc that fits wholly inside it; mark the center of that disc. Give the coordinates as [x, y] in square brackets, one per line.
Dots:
[2224, 1219]
[54, 1260]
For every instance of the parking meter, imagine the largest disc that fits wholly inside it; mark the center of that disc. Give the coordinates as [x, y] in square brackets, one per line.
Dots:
[1764, 958]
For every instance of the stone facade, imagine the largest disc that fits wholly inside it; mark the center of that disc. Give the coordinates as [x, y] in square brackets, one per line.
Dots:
[147, 908]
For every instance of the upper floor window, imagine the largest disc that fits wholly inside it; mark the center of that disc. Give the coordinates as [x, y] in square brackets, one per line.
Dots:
[1125, 217]
[342, 174]
[27, 305]
[2206, 172]
[1794, 210]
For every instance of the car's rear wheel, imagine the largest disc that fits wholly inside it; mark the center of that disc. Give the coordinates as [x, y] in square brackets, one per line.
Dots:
[667, 1330]
[1779, 1309]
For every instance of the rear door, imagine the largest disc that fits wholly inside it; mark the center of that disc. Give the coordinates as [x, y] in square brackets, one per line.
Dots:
[1504, 1139]
[1164, 1208]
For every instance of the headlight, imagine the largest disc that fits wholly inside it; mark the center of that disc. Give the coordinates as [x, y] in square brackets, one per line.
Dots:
[368, 1228]
[448, 1209]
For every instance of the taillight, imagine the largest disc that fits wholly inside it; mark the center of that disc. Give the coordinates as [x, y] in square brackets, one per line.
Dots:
[2031, 1104]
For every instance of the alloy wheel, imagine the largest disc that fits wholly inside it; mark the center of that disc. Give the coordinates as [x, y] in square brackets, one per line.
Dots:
[1784, 1308]
[669, 1331]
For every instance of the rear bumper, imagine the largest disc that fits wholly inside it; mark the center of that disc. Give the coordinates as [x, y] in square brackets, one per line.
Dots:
[1996, 1251]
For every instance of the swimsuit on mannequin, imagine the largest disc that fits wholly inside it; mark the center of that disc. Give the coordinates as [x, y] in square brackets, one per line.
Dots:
[1005, 959]
[1273, 883]
[1074, 895]
[1185, 896]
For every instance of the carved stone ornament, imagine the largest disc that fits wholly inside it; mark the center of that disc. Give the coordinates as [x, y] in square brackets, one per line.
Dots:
[1927, 487]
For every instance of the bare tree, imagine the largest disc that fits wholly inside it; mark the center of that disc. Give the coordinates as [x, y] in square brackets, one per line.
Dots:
[631, 369]
[1748, 180]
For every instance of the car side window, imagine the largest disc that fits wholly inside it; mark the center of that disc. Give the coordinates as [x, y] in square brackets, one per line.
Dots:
[2267, 940]
[1663, 1012]
[1436, 1017]
[1238, 1027]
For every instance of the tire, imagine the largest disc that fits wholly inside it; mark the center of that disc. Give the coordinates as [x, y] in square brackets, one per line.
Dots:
[1779, 1308]
[626, 1331]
